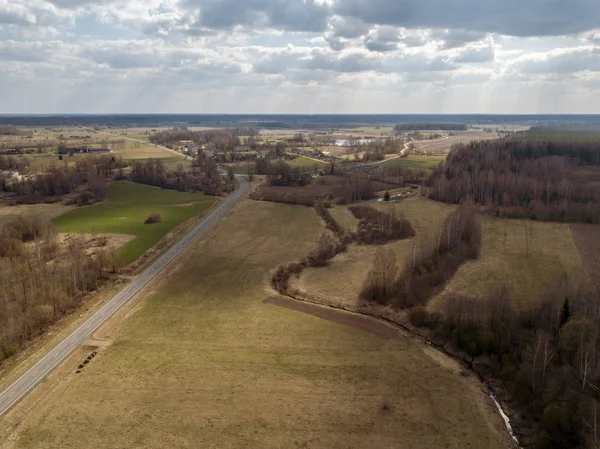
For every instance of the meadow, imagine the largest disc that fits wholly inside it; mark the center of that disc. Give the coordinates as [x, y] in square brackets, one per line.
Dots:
[528, 257]
[205, 362]
[415, 161]
[125, 210]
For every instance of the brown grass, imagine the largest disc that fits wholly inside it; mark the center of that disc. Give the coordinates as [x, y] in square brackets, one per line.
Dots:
[444, 145]
[587, 239]
[552, 258]
[206, 363]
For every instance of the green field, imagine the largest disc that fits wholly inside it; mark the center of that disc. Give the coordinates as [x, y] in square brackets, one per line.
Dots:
[307, 164]
[125, 210]
[415, 161]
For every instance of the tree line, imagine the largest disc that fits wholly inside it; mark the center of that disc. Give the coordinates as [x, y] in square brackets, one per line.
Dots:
[202, 176]
[430, 266]
[36, 288]
[522, 178]
[401, 127]
[85, 182]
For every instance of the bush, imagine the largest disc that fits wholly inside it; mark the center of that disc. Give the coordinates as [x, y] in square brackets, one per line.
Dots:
[379, 227]
[153, 218]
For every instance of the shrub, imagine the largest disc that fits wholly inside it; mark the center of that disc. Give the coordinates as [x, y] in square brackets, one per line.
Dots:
[379, 227]
[153, 218]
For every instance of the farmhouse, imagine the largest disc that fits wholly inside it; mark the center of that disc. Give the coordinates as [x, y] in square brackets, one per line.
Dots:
[81, 150]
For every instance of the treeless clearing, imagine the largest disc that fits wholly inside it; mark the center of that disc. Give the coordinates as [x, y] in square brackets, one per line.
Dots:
[529, 265]
[206, 363]
[444, 145]
[131, 149]
[587, 239]
[47, 211]
[344, 217]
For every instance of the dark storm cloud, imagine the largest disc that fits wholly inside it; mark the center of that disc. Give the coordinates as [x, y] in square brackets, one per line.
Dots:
[290, 15]
[511, 17]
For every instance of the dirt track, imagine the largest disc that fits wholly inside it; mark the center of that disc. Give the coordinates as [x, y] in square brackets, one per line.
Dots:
[339, 316]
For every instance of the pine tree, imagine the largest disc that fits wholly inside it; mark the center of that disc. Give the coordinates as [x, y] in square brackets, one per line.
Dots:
[566, 312]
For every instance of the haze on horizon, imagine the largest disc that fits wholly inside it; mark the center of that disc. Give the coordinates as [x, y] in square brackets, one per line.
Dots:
[299, 56]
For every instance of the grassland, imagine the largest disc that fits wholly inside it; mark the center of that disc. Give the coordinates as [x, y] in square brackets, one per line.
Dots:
[307, 164]
[130, 149]
[46, 211]
[528, 265]
[530, 269]
[206, 363]
[125, 210]
[415, 161]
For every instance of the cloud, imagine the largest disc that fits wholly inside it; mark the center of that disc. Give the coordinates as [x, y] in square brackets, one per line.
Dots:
[14, 51]
[347, 28]
[383, 39]
[457, 37]
[476, 54]
[560, 61]
[15, 13]
[291, 15]
[516, 18]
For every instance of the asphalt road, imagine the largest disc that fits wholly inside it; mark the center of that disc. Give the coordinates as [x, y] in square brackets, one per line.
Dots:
[42, 368]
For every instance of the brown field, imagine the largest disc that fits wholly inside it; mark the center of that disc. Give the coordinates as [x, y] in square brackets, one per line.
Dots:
[47, 211]
[528, 266]
[587, 239]
[323, 187]
[444, 145]
[344, 217]
[340, 283]
[204, 362]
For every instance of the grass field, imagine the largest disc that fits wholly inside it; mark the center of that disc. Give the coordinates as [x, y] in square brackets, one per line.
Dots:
[506, 259]
[415, 161]
[125, 210]
[551, 257]
[206, 363]
[307, 164]
[46, 211]
[131, 149]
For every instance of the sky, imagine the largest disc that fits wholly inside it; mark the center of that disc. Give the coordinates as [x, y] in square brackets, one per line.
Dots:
[300, 56]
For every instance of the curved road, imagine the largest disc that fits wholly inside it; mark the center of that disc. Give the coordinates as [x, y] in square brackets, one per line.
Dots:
[42, 368]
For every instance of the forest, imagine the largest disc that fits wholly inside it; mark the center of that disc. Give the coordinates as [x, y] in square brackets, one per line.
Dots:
[430, 127]
[202, 176]
[40, 281]
[551, 178]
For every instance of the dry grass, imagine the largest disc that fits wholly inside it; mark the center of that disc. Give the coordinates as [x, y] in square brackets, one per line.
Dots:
[551, 257]
[341, 282]
[344, 217]
[587, 239]
[206, 363]
[47, 211]
[444, 145]
[131, 149]
[507, 258]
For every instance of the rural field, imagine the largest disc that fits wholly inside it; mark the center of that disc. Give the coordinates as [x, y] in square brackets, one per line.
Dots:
[528, 256]
[444, 145]
[205, 362]
[125, 210]
[418, 161]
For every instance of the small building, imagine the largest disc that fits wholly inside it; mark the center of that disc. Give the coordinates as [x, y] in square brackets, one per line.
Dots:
[241, 149]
